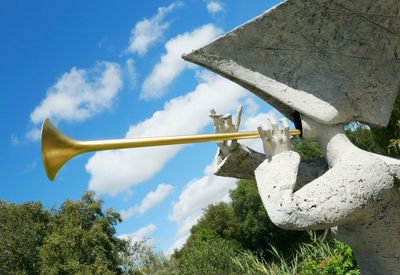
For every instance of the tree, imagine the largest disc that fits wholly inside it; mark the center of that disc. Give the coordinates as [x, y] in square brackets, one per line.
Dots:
[381, 140]
[244, 222]
[142, 258]
[389, 137]
[255, 231]
[82, 239]
[218, 219]
[307, 149]
[22, 231]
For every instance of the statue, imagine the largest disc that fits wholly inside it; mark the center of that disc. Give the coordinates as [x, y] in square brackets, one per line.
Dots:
[324, 63]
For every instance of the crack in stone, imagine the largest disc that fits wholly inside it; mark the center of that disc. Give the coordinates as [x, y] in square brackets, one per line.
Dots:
[305, 50]
[361, 13]
[367, 19]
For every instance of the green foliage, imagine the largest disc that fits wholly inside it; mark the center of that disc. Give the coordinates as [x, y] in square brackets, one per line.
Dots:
[82, 239]
[22, 231]
[307, 149]
[381, 140]
[252, 264]
[243, 221]
[389, 137]
[320, 257]
[209, 254]
[361, 135]
[213, 256]
[227, 228]
[315, 257]
[254, 230]
[76, 239]
[142, 259]
[217, 220]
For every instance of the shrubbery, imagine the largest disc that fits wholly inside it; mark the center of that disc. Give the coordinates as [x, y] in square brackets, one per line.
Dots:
[316, 256]
[211, 256]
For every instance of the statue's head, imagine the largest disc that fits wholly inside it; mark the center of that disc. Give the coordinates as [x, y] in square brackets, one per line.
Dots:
[321, 60]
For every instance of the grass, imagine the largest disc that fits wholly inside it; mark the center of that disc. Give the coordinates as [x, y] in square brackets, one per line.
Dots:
[318, 256]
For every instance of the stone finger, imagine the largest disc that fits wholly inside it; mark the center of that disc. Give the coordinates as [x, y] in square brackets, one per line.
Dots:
[274, 125]
[228, 121]
[265, 142]
[261, 132]
[268, 131]
[215, 118]
[221, 124]
[286, 127]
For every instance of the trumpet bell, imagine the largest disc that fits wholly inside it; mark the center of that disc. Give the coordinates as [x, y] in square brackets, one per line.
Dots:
[57, 149]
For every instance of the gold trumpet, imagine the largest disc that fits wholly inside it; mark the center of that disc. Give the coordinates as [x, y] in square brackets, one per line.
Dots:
[57, 148]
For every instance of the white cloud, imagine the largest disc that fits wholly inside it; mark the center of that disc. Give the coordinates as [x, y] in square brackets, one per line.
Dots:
[79, 95]
[15, 141]
[195, 197]
[171, 63]
[252, 106]
[33, 134]
[131, 72]
[214, 7]
[115, 171]
[141, 234]
[148, 31]
[151, 200]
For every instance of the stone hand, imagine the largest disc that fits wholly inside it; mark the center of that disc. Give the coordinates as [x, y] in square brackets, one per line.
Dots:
[274, 139]
[224, 124]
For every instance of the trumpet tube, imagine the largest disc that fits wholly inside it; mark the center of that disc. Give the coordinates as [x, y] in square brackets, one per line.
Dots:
[58, 148]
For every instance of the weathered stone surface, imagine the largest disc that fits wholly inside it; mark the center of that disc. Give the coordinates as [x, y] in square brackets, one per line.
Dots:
[358, 198]
[332, 60]
[243, 161]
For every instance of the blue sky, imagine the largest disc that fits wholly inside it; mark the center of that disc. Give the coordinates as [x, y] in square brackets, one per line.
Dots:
[108, 69]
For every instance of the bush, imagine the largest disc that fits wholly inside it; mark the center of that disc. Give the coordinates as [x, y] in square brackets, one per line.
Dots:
[316, 257]
[336, 259]
[213, 256]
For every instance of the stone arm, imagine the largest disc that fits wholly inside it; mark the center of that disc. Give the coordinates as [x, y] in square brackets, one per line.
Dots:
[239, 163]
[243, 161]
[342, 195]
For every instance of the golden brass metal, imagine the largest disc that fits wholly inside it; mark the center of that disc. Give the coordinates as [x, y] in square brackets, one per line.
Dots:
[57, 148]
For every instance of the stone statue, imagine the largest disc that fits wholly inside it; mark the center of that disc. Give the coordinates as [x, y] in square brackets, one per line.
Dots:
[327, 62]
[358, 197]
